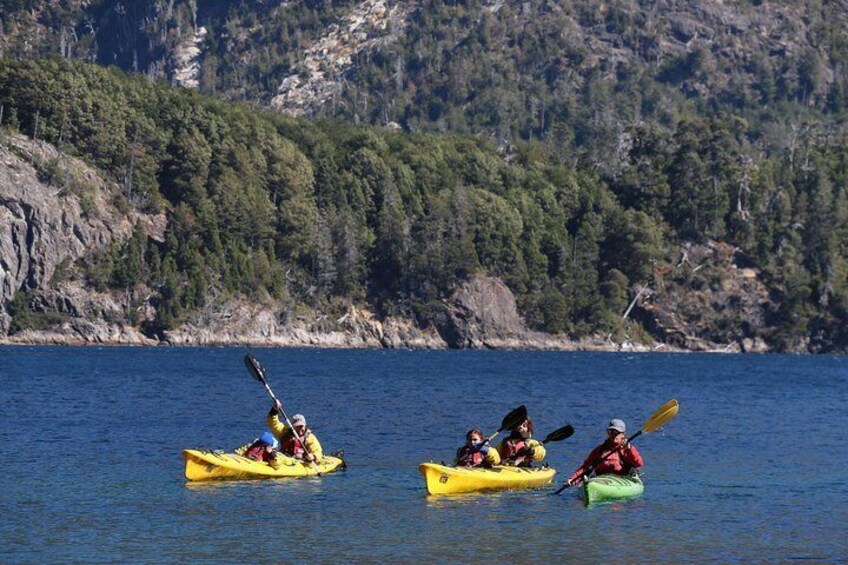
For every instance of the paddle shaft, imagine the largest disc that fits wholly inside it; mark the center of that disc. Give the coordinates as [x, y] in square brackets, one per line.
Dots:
[510, 420]
[596, 462]
[283, 412]
[291, 427]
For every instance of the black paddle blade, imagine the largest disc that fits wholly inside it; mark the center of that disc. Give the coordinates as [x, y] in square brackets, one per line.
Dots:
[255, 368]
[564, 432]
[513, 419]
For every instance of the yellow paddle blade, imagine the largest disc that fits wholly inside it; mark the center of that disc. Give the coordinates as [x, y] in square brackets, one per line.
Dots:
[662, 416]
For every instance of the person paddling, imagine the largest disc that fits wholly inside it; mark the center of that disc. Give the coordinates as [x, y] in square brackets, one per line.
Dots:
[262, 449]
[615, 456]
[291, 445]
[520, 449]
[476, 452]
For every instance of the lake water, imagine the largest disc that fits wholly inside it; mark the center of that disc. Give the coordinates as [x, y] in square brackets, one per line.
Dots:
[754, 469]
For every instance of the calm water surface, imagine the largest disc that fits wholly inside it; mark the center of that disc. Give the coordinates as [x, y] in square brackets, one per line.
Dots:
[753, 470]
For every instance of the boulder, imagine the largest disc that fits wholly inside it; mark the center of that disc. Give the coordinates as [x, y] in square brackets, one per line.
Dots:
[482, 313]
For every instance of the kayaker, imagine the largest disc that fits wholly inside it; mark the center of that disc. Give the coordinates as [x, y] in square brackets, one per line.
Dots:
[262, 449]
[475, 452]
[289, 445]
[615, 456]
[519, 449]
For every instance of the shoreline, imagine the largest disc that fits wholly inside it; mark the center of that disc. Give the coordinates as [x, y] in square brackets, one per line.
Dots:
[339, 340]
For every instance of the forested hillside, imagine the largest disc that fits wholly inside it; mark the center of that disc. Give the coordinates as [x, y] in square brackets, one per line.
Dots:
[322, 213]
[613, 142]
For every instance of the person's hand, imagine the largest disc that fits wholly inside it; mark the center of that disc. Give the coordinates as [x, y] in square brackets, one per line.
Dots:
[309, 457]
[278, 406]
[619, 441]
[484, 449]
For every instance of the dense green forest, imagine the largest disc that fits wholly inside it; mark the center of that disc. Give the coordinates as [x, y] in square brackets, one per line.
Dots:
[323, 213]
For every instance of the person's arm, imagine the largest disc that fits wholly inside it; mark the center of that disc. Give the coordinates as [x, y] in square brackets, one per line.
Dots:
[275, 460]
[584, 468]
[492, 457]
[277, 426]
[313, 446]
[631, 456]
[537, 450]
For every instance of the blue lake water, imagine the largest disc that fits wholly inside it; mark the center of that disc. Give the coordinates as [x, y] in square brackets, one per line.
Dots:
[754, 469]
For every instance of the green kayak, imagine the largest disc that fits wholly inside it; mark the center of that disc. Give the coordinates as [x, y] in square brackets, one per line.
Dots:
[609, 488]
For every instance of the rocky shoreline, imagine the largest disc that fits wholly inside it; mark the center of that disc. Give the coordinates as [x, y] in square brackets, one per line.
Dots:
[374, 335]
[331, 340]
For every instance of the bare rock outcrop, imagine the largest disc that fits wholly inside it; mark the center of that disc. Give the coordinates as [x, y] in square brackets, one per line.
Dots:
[482, 313]
[42, 225]
[369, 25]
[707, 303]
[243, 322]
[187, 59]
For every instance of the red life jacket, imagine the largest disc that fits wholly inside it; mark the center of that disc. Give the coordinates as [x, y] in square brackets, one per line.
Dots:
[511, 447]
[469, 456]
[290, 446]
[257, 452]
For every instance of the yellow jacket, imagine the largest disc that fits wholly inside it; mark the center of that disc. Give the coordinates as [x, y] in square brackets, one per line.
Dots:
[281, 430]
[537, 452]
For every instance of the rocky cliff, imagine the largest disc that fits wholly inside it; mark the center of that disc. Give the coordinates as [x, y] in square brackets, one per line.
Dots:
[53, 211]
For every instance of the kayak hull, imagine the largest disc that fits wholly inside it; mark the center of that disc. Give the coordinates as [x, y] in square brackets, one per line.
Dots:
[441, 479]
[609, 488]
[211, 466]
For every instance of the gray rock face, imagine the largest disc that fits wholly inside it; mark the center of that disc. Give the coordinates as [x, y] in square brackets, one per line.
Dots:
[707, 303]
[41, 225]
[482, 313]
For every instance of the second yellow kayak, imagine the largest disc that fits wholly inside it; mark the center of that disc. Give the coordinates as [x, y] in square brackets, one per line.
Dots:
[212, 465]
[442, 479]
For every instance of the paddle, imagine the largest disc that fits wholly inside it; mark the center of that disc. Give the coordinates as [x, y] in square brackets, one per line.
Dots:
[511, 421]
[258, 373]
[564, 432]
[560, 434]
[657, 420]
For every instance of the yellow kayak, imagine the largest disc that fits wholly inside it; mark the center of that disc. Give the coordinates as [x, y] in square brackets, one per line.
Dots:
[211, 465]
[442, 479]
